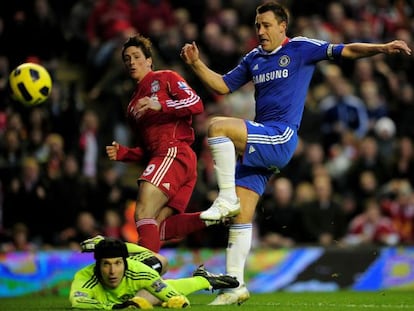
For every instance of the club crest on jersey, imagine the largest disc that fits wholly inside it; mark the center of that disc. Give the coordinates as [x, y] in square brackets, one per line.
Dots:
[284, 61]
[155, 86]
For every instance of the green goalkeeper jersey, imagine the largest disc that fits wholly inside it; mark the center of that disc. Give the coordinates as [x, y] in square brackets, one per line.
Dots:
[88, 293]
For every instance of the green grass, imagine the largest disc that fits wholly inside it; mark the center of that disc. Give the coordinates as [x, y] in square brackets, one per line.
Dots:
[338, 301]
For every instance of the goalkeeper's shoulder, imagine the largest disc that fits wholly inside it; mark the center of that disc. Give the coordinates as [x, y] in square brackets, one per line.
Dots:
[136, 249]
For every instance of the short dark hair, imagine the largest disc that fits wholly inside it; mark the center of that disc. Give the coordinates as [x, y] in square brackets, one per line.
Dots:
[141, 42]
[281, 13]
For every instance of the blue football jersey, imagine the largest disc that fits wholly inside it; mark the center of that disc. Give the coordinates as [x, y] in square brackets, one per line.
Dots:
[282, 77]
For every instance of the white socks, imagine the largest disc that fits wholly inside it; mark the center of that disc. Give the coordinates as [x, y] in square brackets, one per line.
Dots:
[238, 248]
[224, 156]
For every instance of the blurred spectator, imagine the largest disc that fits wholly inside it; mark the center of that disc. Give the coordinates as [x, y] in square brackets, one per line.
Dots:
[338, 162]
[77, 40]
[45, 39]
[277, 219]
[4, 86]
[375, 102]
[67, 197]
[350, 206]
[375, 74]
[145, 12]
[314, 157]
[404, 111]
[369, 159]
[311, 116]
[11, 154]
[19, 240]
[296, 168]
[367, 186]
[89, 144]
[25, 198]
[85, 227]
[108, 192]
[385, 17]
[239, 104]
[38, 129]
[398, 204]
[311, 27]
[169, 46]
[342, 111]
[384, 131]
[16, 121]
[106, 21]
[225, 50]
[15, 28]
[304, 193]
[336, 20]
[323, 220]
[112, 224]
[371, 227]
[402, 164]
[53, 163]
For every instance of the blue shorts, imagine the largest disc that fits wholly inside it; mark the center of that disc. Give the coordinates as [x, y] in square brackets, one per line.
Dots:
[268, 149]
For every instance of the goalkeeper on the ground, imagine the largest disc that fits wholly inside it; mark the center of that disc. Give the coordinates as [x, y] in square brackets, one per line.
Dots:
[125, 273]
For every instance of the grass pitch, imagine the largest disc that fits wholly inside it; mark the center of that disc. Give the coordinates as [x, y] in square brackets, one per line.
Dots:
[281, 301]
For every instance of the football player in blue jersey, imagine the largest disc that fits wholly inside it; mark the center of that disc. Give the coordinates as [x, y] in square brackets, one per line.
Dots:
[281, 69]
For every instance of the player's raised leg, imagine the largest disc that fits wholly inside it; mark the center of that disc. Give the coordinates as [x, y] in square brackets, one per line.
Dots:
[225, 137]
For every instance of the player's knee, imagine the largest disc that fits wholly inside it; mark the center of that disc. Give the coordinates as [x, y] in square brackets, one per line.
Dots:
[143, 210]
[216, 127]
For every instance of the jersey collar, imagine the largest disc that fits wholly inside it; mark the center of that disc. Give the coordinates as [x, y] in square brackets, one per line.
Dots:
[284, 42]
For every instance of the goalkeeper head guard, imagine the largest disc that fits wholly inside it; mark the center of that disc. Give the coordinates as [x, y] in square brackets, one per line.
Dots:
[110, 248]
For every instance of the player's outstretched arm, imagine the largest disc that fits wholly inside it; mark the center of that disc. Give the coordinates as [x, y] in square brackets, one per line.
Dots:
[359, 50]
[118, 152]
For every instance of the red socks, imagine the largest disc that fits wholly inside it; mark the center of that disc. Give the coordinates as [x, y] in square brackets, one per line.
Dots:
[176, 226]
[180, 225]
[148, 235]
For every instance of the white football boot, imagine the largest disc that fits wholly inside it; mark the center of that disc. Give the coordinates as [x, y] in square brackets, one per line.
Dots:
[231, 296]
[221, 209]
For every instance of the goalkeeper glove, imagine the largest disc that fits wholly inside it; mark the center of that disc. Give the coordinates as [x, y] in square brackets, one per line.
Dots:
[89, 244]
[176, 302]
[134, 303]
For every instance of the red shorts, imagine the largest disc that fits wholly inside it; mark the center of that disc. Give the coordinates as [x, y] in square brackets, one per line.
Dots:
[174, 172]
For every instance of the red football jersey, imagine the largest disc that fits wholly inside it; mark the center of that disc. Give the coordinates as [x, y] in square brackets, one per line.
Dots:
[172, 125]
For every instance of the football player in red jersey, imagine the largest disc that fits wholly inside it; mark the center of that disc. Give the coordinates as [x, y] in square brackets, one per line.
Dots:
[160, 114]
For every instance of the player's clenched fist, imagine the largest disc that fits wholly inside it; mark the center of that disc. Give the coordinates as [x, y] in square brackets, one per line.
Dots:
[112, 151]
[190, 53]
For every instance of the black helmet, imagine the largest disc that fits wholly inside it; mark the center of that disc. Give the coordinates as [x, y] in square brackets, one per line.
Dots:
[110, 248]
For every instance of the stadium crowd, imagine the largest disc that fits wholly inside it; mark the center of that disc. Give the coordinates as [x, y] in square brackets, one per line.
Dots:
[349, 183]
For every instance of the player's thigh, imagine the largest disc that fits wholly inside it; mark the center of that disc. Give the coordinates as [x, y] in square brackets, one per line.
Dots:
[150, 200]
